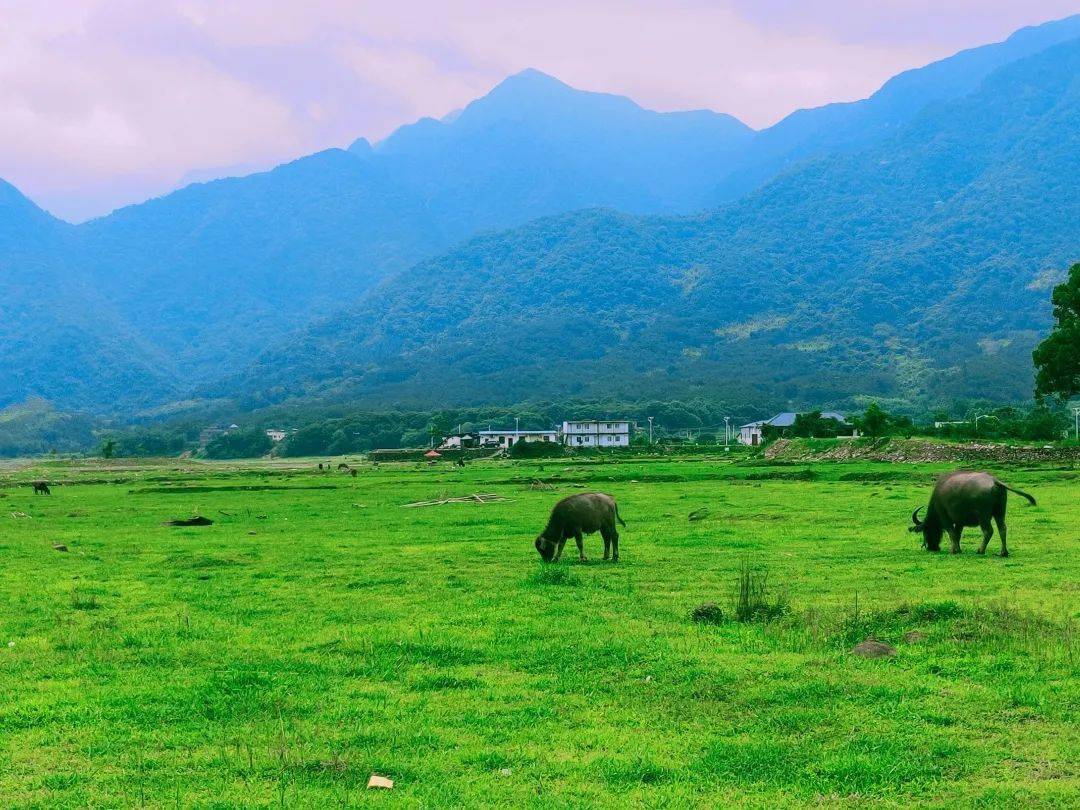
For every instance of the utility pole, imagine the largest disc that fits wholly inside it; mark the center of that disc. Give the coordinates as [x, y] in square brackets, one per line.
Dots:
[650, 430]
[727, 431]
[1076, 424]
[517, 425]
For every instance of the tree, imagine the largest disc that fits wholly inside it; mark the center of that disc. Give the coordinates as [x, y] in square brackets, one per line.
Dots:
[108, 448]
[249, 443]
[1057, 358]
[875, 421]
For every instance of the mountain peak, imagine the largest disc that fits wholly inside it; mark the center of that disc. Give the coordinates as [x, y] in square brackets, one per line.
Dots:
[531, 77]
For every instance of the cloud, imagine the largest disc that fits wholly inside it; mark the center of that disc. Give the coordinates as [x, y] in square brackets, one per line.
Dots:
[104, 102]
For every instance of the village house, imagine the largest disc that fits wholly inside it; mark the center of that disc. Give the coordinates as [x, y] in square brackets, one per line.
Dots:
[508, 438]
[276, 435]
[753, 434]
[460, 441]
[596, 433]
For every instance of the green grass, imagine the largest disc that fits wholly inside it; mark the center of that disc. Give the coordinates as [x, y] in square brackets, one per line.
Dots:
[319, 632]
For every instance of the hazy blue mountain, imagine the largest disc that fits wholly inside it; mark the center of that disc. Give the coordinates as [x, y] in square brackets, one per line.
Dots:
[534, 146]
[915, 268]
[851, 126]
[179, 293]
[214, 272]
[58, 335]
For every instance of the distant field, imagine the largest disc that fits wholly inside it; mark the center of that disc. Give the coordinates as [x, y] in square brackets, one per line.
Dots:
[319, 632]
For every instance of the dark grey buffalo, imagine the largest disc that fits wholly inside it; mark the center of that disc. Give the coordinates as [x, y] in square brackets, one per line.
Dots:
[964, 499]
[41, 488]
[576, 515]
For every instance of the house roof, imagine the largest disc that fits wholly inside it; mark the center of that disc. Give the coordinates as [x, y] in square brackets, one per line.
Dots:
[514, 432]
[787, 419]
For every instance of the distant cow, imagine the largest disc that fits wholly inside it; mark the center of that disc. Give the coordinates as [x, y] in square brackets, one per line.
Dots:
[584, 513]
[964, 499]
[41, 488]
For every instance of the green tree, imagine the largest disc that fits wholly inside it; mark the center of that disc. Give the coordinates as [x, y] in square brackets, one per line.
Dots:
[1057, 358]
[239, 444]
[108, 448]
[875, 421]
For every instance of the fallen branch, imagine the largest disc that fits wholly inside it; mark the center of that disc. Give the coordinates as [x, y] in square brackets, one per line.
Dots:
[474, 498]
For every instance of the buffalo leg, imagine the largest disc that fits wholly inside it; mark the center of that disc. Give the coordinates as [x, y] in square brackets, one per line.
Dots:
[580, 547]
[954, 537]
[614, 544]
[1001, 531]
[607, 543]
[988, 533]
[558, 550]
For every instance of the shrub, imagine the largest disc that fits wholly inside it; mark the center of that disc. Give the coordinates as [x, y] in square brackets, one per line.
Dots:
[537, 450]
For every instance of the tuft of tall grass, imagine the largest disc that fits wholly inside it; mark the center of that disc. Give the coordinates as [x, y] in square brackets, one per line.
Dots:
[754, 601]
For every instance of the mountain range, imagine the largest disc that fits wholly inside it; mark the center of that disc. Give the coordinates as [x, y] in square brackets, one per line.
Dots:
[546, 242]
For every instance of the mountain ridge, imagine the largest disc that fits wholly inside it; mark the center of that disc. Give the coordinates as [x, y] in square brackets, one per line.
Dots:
[854, 221]
[184, 292]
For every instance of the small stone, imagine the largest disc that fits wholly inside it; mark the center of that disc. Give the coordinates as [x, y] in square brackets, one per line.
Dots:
[648, 679]
[59, 547]
[872, 648]
[505, 771]
[381, 782]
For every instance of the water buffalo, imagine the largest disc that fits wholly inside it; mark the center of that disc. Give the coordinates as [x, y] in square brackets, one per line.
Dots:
[41, 488]
[964, 499]
[584, 513]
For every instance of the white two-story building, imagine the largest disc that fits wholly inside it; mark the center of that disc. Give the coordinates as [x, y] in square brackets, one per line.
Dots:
[596, 433]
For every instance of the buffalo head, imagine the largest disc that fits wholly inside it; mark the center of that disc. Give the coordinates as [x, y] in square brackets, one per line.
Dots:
[546, 548]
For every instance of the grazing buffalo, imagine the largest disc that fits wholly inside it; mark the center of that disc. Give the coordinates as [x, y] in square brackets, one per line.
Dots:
[584, 513]
[965, 499]
[41, 488]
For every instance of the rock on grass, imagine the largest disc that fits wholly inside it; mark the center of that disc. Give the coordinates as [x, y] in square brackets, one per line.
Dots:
[872, 648]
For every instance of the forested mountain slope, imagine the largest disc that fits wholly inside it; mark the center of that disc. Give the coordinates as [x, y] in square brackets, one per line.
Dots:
[884, 272]
[934, 173]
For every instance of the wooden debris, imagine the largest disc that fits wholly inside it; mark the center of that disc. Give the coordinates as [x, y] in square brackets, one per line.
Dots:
[19, 515]
[60, 547]
[376, 781]
[474, 498]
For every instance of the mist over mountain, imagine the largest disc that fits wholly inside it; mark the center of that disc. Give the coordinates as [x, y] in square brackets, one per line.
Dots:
[851, 249]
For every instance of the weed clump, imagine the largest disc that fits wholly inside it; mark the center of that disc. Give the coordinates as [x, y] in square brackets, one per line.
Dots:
[550, 575]
[754, 601]
[708, 613]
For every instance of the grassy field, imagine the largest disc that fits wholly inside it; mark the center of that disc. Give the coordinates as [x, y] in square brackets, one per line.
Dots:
[319, 632]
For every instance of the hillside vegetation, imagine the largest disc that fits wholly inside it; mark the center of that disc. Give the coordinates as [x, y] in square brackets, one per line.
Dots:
[919, 269]
[856, 246]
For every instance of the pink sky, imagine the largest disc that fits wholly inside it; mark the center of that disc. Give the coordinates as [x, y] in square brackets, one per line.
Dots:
[106, 102]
